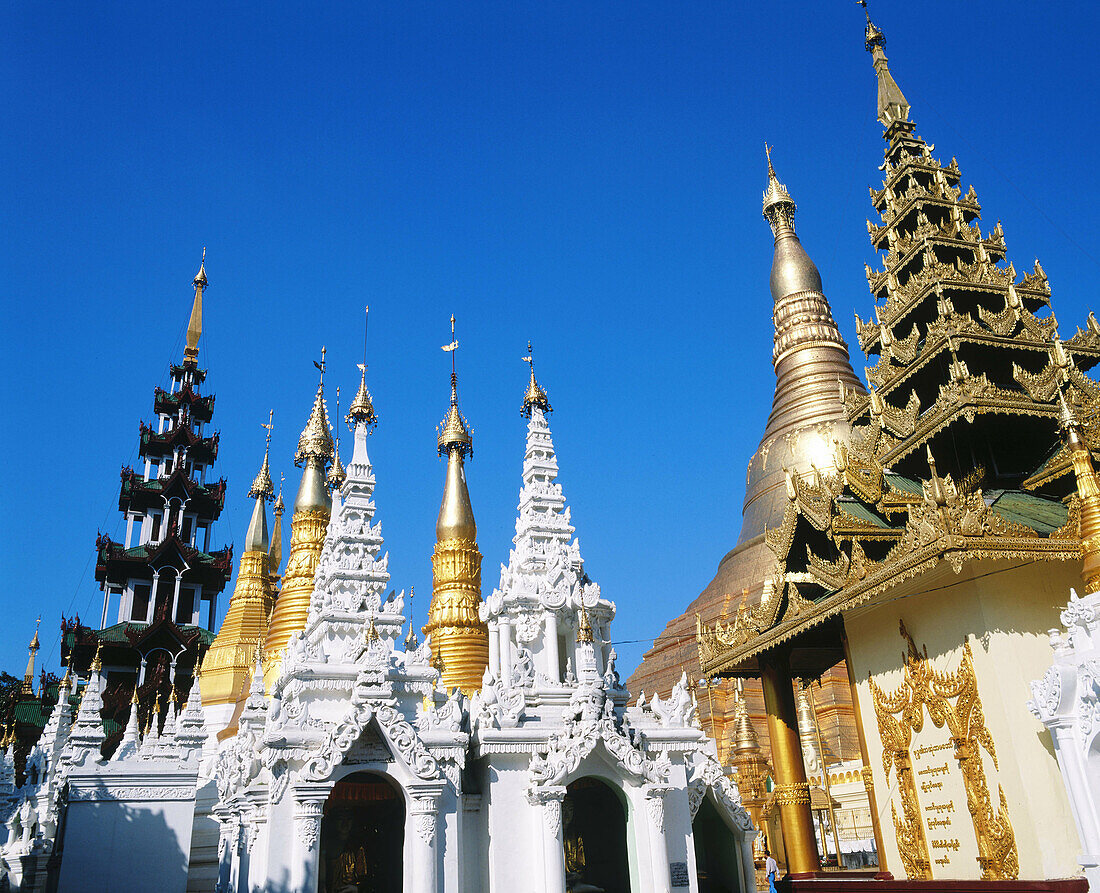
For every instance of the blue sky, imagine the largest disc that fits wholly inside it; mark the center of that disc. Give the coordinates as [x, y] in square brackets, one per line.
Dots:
[586, 175]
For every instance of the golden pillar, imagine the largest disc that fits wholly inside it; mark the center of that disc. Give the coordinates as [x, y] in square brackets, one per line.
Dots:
[308, 526]
[459, 638]
[228, 665]
[792, 791]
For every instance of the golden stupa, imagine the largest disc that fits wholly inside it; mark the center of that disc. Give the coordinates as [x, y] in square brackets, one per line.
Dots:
[460, 640]
[227, 667]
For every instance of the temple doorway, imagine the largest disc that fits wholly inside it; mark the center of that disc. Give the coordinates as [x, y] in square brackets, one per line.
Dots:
[594, 832]
[717, 852]
[362, 836]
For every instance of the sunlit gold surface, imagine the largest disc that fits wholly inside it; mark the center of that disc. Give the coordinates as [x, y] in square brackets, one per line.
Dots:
[229, 663]
[811, 362]
[458, 636]
[792, 791]
[307, 536]
[1088, 495]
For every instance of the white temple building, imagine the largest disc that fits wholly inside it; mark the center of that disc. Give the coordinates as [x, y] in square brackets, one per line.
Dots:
[357, 771]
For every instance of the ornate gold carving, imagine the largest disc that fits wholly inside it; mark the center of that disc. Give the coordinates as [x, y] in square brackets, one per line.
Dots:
[952, 701]
[793, 794]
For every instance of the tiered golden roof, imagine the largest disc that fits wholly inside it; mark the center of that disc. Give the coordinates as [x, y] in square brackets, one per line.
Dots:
[964, 395]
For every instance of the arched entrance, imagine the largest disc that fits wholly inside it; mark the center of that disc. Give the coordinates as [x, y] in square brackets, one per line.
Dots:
[717, 851]
[594, 832]
[362, 836]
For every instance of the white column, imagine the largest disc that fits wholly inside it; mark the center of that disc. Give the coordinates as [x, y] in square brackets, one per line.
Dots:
[505, 649]
[129, 528]
[494, 649]
[175, 597]
[106, 604]
[236, 847]
[257, 842]
[548, 800]
[309, 803]
[141, 673]
[424, 813]
[552, 656]
[226, 835]
[655, 811]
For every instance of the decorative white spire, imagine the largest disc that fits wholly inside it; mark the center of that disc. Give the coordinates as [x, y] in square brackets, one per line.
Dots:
[87, 736]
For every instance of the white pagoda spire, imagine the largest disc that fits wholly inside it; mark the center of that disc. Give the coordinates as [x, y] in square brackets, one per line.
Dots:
[536, 611]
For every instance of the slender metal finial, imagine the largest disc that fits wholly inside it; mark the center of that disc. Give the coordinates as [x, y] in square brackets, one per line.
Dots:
[337, 474]
[866, 11]
[768, 154]
[270, 426]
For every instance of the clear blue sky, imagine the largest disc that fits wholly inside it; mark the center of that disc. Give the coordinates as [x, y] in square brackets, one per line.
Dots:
[587, 175]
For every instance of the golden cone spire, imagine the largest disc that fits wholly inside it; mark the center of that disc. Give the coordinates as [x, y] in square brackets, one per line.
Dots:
[459, 638]
[1088, 492]
[312, 510]
[809, 356]
[275, 553]
[32, 650]
[194, 324]
[337, 474]
[227, 666]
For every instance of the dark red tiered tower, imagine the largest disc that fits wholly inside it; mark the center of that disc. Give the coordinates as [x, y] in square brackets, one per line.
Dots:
[161, 585]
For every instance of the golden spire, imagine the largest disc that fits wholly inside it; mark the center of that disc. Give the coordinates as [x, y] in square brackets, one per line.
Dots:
[584, 628]
[411, 641]
[745, 740]
[312, 510]
[454, 434]
[228, 660]
[809, 356]
[275, 553]
[1088, 492]
[337, 474]
[97, 664]
[194, 324]
[893, 107]
[32, 649]
[315, 441]
[458, 636]
[256, 539]
[536, 395]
